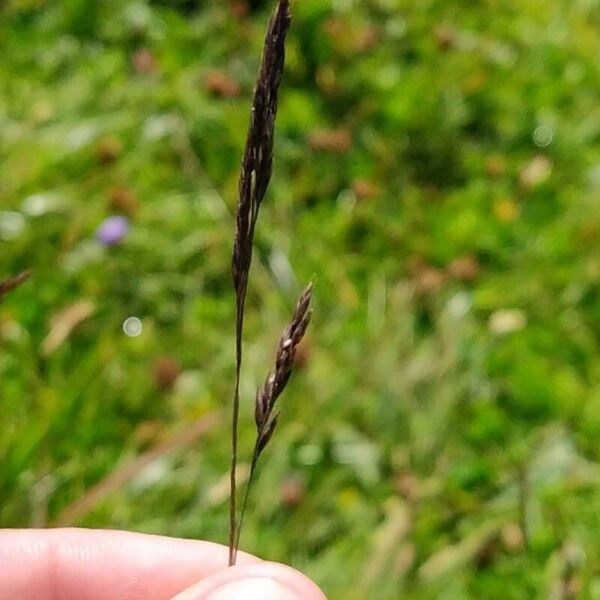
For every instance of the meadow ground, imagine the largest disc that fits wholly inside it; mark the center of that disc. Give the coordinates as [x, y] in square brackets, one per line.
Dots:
[437, 171]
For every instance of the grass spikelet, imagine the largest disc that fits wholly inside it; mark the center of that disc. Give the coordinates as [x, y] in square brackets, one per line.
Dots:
[265, 415]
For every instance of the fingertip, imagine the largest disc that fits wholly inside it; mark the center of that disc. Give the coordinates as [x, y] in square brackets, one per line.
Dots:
[264, 581]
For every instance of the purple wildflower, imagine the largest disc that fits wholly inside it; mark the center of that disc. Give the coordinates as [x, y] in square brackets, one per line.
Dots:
[112, 231]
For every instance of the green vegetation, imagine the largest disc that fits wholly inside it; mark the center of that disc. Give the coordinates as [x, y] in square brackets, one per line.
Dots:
[437, 170]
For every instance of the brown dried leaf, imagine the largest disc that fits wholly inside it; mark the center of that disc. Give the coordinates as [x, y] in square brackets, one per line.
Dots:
[221, 84]
[144, 62]
[330, 140]
[465, 268]
[11, 283]
[64, 322]
[535, 172]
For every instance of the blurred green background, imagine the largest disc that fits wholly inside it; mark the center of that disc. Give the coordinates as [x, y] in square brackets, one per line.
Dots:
[437, 171]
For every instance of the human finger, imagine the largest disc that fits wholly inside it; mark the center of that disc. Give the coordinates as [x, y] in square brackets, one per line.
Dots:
[102, 564]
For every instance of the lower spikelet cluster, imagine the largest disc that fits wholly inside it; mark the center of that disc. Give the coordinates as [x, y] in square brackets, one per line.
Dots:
[266, 419]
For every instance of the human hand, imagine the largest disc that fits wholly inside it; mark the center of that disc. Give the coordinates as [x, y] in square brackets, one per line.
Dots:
[74, 564]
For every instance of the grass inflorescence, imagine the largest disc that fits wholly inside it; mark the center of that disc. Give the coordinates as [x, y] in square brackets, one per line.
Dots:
[255, 174]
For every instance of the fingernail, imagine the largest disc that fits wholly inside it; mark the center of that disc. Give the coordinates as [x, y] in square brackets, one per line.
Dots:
[253, 588]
